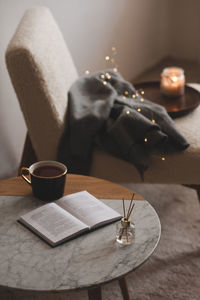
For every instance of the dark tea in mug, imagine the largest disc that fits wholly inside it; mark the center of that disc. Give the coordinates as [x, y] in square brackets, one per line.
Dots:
[47, 179]
[47, 171]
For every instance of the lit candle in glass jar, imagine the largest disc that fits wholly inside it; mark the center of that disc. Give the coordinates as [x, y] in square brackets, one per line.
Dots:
[172, 81]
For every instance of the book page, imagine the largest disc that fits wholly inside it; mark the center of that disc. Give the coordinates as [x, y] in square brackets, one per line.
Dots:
[88, 209]
[52, 222]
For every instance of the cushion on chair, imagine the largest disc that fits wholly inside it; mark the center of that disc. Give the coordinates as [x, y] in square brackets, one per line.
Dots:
[180, 167]
[42, 71]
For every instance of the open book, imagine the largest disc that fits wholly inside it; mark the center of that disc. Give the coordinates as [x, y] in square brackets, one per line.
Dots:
[68, 217]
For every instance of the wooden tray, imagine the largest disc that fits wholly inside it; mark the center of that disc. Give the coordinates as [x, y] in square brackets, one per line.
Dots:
[175, 106]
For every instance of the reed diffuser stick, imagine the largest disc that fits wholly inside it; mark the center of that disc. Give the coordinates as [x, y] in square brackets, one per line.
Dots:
[128, 213]
[131, 210]
[124, 208]
[124, 217]
[126, 234]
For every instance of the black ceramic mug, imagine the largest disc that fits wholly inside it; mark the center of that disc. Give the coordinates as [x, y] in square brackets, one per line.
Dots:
[47, 179]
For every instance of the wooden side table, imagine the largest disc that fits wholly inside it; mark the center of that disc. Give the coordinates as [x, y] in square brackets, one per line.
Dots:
[95, 253]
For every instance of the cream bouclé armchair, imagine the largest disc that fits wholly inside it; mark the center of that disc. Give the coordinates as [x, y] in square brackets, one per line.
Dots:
[42, 70]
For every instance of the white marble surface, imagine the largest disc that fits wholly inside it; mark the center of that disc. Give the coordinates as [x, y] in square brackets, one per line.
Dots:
[28, 263]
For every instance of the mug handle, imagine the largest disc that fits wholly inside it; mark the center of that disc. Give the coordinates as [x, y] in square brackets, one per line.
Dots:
[25, 170]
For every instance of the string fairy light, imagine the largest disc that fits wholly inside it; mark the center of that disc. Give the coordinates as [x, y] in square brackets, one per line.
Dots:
[110, 59]
[108, 75]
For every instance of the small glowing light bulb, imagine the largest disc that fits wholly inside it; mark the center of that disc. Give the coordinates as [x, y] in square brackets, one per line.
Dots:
[126, 92]
[102, 76]
[107, 58]
[133, 96]
[87, 72]
[163, 158]
[142, 92]
[115, 69]
[104, 82]
[139, 109]
[128, 112]
[145, 139]
[108, 75]
[142, 100]
[153, 121]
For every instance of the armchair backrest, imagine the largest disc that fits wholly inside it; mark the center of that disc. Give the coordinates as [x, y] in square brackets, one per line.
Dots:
[41, 71]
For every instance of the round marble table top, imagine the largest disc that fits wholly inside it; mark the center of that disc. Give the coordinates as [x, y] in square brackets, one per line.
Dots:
[28, 263]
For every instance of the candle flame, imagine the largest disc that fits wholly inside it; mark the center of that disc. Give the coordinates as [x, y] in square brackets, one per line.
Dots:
[173, 78]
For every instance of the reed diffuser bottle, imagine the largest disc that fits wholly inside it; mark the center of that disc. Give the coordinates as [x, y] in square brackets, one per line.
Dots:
[125, 232]
[126, 229]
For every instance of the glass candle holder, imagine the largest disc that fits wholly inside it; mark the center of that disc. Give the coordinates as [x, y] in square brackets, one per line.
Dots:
[172, 82]
[125, 232]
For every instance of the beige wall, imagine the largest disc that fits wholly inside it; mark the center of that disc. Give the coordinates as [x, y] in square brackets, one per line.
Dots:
[138, 28]
[184, 29]
[143, 31]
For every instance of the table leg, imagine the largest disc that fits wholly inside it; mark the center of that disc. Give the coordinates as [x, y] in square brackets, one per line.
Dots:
[124, 288]
[95, 294]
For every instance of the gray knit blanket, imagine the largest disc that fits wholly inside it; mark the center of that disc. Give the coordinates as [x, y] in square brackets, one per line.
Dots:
[105, 110]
